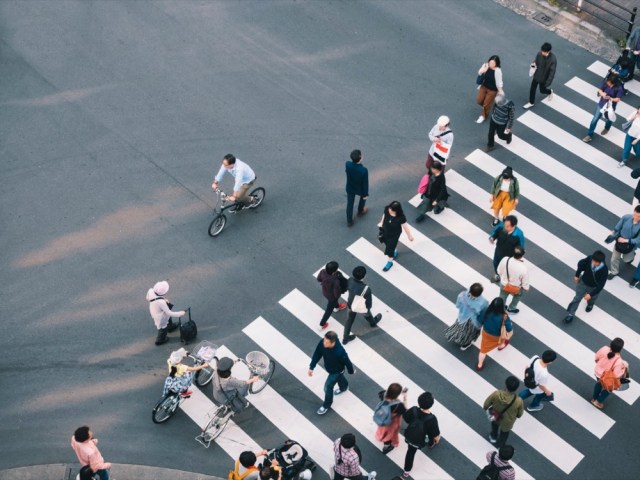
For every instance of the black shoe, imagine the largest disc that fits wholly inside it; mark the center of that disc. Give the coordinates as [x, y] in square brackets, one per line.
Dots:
[488, 148]
[568, 319]
[611, 275]
[495, 222]
[589, 307]
[420, 218]
[633, 283]
[348, 339]
[376, 320]
[387, 448]
[513, 310]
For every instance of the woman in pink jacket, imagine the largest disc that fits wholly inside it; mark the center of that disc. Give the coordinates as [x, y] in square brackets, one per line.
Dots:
[86, 448]
[608, 358]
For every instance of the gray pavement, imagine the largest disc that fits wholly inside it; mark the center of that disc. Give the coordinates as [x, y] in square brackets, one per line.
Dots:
[118, 472]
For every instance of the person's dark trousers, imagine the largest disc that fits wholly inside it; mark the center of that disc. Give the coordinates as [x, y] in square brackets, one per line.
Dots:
[331, 304]
[337, 476]
[501, 436]
[162, 336]
[532, 91]
[351, 198]
[409, 457]
[496, 128]
[350, 319]
[496, 262]
[331, 381]
[103, 474]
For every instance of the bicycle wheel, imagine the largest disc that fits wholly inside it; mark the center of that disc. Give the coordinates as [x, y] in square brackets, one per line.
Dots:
[217, 224]
[165, 409]
[258, 195]
[259, 385]
[204, 376]
[217, 424]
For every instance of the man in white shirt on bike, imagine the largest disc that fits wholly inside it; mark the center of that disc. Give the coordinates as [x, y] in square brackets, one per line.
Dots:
[244, 180]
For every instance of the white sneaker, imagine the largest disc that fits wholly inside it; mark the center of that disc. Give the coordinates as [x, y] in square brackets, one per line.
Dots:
[527, 105]
[480, 119]
[372, 475]
[621, 164]
[550, 96]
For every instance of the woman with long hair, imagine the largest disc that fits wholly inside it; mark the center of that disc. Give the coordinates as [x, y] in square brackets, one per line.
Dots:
[388, 434]
[489, 85]
[495, 316]
[608, 358]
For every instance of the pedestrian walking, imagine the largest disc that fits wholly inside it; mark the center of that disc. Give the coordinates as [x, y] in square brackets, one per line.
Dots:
[633, 45]
[609, 363]
[393, 404]
[626, 235]
[496, 330]
[610, 93]
[86, 448]
[489, 82]
[161, 311]
[540, 391]
[506, 236]
[471, 306]
[503, 408]
[441, 138]
[505, 195]
[348, 459]
[357, 184]
[514, 279]
[632, 138]
[501, 121]
[435, 198]
[332, 288]
[635, 173]
[357, 288]
[499, 467]
[422, 430]
[590, 278]
[336, 361]
[392, 224]
[544, 69]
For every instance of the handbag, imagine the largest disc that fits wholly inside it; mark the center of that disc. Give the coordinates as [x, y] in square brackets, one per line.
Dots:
[359, 303]
[626, 126]
[608, 112]
[480, 79]
[623, 247]
[504, 335]
[494, 415]
[532, 69]
[380, 234]
[510, 288]
[608, 380]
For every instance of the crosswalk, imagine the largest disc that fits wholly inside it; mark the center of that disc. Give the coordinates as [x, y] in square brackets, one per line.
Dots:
[417, 303]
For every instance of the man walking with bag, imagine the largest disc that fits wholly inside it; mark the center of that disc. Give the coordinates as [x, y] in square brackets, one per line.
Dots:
[359, 301]
[590, 278]
[357, 184]
[514, 279]
[544, 69]
[422, 430]
[503, 408]
[626, 235]
[536, 380]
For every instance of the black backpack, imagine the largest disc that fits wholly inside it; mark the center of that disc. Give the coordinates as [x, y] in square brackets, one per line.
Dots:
[414, 433]
[530, 375]
[188, 329]
[491, 471]
[344, 283]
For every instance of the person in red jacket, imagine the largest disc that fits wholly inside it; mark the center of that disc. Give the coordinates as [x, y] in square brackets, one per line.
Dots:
[86, 448]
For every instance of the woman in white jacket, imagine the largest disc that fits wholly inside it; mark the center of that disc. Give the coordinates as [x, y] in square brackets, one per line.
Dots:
[160, 310]
[489, 85]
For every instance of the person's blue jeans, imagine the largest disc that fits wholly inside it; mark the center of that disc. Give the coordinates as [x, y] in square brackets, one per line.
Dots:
[594, 121]
[103, 474]
[537, 397]
[351, 198]
[332, 379]
[599, 393]
[626, 150]
[636, 276]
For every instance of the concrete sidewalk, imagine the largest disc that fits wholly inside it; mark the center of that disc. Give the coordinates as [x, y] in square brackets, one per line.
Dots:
[63, 471]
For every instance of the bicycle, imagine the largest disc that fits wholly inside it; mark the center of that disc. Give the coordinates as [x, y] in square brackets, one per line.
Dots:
[168, 405]
[220, 219]
[258, 364]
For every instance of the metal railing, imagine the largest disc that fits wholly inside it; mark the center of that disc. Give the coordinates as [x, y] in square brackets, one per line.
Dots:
[627, 17]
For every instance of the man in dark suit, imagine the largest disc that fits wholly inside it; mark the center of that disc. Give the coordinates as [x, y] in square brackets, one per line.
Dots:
[357, 184]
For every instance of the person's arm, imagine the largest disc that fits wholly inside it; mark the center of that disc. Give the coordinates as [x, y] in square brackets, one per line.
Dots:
[494, 232]
[167, 311]
[495, 188]
[516, 189]
[524, 280]
[196, 368]
[407, 231]
[552, 71]
[600, 278]
[317, 354]
[365, 184]
[433, 430]
[499, 80]
[368, 298]
[582, 265]
[489, 401]
[346, 361]
[218, 178]
[511, 114]
[96, 462]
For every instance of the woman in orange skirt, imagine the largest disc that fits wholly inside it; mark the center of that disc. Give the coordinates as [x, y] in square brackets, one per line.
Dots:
[388, 434]
[494, 317]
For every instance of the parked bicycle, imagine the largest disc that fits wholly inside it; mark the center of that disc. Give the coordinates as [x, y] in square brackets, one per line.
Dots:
[220, 219]
[258, 364]
[167, 406]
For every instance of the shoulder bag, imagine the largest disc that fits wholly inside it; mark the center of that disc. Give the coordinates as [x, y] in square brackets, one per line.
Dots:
[608, 380]
[504, 335]
[359, 303]
[625, 248]
[510, 288]
[496, 415]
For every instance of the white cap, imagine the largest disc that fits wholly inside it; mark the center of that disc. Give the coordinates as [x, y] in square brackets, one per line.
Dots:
[443, 121]
[176, 357]
[161, 288]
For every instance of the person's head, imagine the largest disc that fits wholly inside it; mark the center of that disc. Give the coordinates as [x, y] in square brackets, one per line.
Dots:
[436, 167]
[518, 252]
[394, 391]
[82, 434]
[496, 306]
[476, 290]
[615, 346]
[506, 452]
[443, 122]
[636, 213]
[359, 272]
[494, 62]
[512, 383]
[597, 258]
[229, 160]
[356, 156]
[161, 288]
[501, 100]
[510, 223]
[549, 356]
[224, 366]
[396, 208]
[612, 79]
[507, 173]
[545, 49]
[330, 338]
[425, 400]
[331, 267]
[348, 440]
[247, 459]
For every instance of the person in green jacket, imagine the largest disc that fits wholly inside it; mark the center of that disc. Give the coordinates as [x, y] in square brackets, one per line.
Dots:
[505, 194]
[509, 406]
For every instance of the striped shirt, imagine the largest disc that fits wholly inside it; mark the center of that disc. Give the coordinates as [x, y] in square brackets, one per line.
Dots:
[507, 473]
[347, 460]
[504, 115]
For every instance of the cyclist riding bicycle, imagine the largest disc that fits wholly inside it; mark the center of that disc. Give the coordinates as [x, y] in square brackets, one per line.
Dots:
[244, 180]
[180, 375]
[228, 390]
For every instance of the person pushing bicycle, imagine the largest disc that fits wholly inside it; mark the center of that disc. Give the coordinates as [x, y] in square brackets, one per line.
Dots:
[228, 390]
[244, 180]
[180, 375]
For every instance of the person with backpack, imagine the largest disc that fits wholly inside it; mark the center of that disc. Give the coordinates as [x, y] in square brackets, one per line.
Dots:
[499, 467]
[503, 408]
[422, 430]
[610, 91]
[245, 468]
[388, 416]
[441, 138]
[160, 310]
[348, 458]
[609, 362]
[333, 285]
[536, 378]
[358, 292]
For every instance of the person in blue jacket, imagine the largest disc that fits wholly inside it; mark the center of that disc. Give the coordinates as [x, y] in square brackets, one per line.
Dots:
[357, 184]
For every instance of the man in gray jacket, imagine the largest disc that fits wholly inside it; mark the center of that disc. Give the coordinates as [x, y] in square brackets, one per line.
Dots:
[545, 69]
[357, 287]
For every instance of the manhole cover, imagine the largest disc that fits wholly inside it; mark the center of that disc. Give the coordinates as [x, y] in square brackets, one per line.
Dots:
[543, 18]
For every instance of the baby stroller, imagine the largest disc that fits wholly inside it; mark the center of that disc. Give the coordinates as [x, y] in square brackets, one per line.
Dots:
[293, 460]
[623, 68]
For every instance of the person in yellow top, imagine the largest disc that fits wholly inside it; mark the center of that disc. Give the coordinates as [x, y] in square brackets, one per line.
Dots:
[180, 375]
